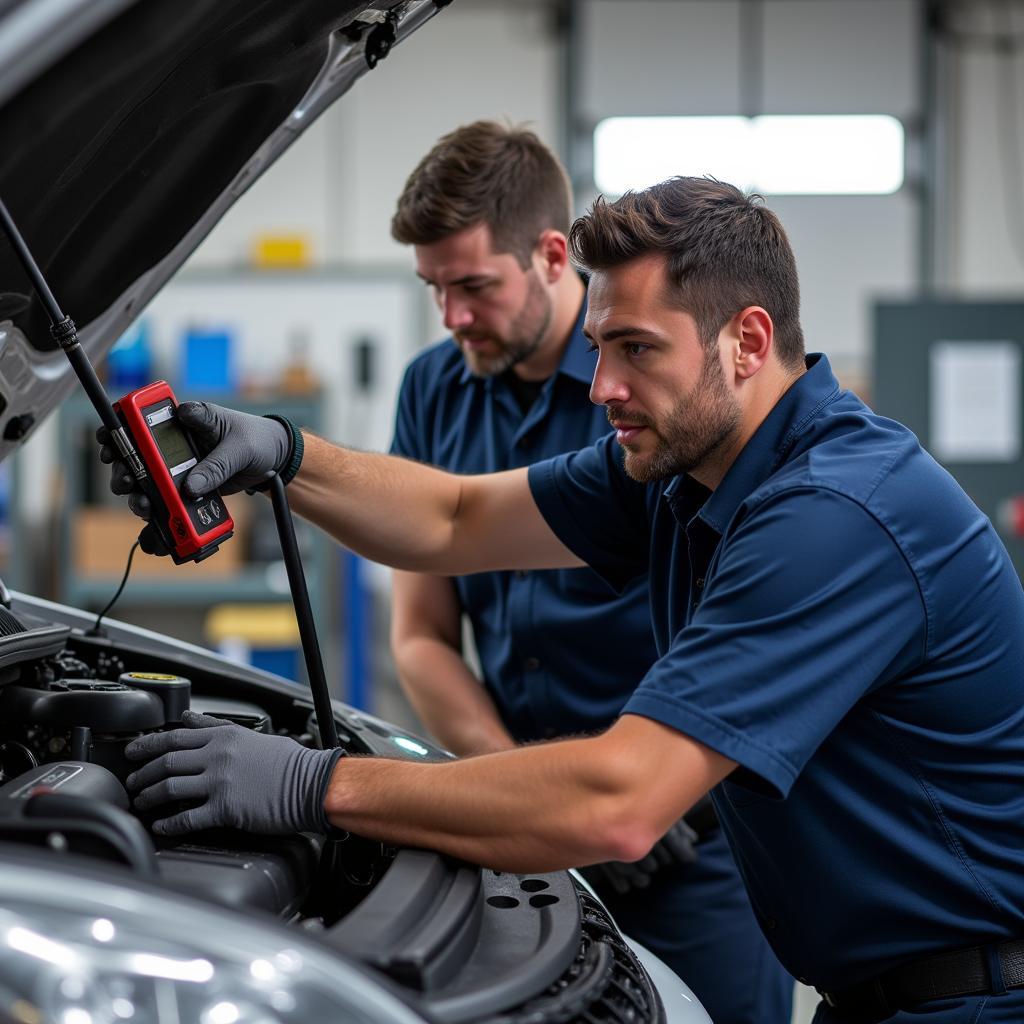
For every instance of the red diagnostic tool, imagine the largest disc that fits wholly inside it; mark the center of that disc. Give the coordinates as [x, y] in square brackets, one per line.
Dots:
[191, 528]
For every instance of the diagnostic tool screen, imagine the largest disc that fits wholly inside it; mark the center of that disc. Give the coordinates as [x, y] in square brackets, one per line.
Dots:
[171, 441]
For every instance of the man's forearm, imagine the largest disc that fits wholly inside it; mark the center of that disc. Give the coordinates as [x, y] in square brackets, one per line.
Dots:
[546, 821]
[536, 808]
[388, 509]
[410, 516]
[449, 700]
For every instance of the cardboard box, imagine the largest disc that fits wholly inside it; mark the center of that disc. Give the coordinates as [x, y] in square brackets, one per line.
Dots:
[101, 538]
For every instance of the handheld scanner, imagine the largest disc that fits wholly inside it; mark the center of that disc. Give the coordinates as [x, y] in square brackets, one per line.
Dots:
[191, 528]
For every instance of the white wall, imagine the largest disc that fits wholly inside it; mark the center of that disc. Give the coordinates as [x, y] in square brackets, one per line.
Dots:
[684, 57]
[315, 319]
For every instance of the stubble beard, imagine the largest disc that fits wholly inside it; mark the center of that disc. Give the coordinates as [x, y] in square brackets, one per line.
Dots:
[525, 334]
[700, 426]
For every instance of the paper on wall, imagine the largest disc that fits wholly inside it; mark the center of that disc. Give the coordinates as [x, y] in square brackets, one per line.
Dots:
[975, 413]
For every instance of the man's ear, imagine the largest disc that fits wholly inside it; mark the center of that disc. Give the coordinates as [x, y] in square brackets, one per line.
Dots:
[755, 334]
[552, 250]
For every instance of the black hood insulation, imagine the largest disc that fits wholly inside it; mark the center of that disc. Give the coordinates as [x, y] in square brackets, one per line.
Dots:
[114, 153]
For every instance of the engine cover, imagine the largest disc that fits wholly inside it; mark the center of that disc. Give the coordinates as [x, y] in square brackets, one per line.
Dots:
[102, 706]
[71, 778]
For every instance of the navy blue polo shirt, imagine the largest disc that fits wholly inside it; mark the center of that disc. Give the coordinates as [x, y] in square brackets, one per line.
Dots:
[561, 650]
[842, 621]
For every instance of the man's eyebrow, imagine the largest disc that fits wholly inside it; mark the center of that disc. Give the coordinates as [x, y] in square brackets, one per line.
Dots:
[465, 279]
[622, 332]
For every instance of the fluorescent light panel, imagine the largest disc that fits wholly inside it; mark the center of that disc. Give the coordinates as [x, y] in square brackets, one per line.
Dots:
[800, 154]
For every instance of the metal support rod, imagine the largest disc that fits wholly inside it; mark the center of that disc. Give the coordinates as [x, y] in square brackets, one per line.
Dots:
[35, 275]
[304, 615]
[63, 330]
[97, 393]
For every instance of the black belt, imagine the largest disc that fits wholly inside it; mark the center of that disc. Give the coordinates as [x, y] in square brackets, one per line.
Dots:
[965, 972]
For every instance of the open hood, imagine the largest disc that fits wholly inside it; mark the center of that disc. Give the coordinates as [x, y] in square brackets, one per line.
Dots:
[130, 129]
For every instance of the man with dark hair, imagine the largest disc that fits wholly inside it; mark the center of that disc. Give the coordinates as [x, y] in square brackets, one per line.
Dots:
[487, 211]
[840, 637]
[486, 173]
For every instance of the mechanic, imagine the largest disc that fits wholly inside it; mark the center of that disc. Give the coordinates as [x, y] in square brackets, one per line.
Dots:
[840, 630]
[487, 211]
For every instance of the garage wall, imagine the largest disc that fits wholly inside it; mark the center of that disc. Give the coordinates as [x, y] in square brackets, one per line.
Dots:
[481, 58]
[484, 59]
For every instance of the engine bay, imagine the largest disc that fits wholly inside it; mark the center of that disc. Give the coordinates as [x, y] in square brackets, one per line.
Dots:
[70, 704]
[460, 942]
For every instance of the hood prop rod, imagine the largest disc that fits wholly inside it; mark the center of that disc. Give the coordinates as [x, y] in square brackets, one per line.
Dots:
[66, 335]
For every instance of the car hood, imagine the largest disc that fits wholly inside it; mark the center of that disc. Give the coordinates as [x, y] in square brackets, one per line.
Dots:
[131, 128]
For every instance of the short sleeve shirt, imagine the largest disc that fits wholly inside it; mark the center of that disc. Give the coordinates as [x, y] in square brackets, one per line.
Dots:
[560, 651]
[843, 622]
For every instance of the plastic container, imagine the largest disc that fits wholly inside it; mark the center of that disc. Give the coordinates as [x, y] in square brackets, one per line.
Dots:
[265, 636]
[130, 362]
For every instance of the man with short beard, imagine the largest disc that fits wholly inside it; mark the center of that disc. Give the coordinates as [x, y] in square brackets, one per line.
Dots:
[840, 633]
[487, 211]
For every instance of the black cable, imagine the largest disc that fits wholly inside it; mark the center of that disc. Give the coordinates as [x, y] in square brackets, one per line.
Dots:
[96, 631]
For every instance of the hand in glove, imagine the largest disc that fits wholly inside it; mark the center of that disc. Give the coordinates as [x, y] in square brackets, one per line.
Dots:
[239, 451]
[270, 785]
[676, 846]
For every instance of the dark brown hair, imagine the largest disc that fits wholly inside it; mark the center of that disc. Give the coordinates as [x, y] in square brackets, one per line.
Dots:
[485, 173]
[725, 251]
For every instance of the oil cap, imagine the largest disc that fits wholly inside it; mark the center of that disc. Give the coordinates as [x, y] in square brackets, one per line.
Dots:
[174, 691]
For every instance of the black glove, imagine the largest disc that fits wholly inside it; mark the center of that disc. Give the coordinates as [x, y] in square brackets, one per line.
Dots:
[676, 846]
[239, 451]
[269, 785]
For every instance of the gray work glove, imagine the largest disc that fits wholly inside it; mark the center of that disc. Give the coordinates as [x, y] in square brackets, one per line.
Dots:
[240, 450]
[269, 785]
[676, 846]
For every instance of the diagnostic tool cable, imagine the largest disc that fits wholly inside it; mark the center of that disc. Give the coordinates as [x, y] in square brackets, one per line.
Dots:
[96, 631]
[303, 612]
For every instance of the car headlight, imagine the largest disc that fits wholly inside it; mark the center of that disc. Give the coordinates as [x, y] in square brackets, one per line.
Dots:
[80, 946]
